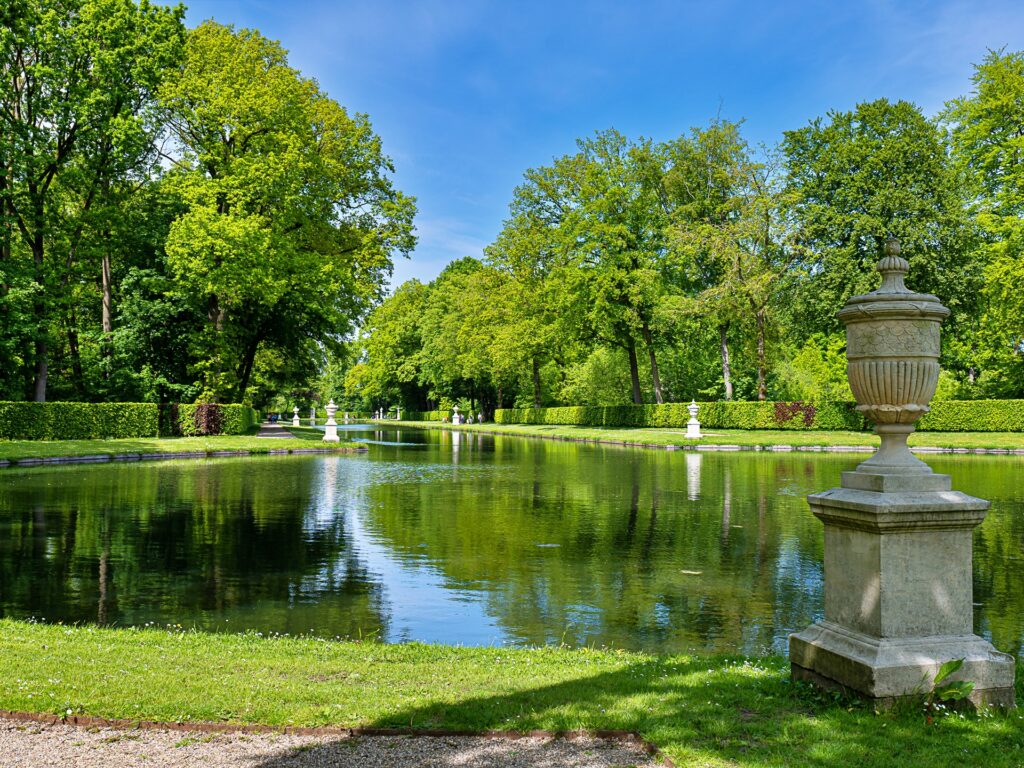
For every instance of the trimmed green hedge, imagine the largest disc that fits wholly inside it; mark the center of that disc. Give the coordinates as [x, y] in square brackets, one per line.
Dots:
[826, 416]
[422, 415]
[77, 421]
[98, 421]
[945, 416]
[974, 416]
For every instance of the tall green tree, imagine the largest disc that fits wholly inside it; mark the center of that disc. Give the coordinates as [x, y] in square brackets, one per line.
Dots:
[391, 339]
[532, 328]
[855, 178]
[737, 236]
[291, 219]
[987, 132]
[75, 79]
[605, 211]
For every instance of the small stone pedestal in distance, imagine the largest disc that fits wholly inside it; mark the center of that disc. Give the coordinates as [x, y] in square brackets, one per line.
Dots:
[693, 426]
[331, 432]
[898, 539]
[295, 416]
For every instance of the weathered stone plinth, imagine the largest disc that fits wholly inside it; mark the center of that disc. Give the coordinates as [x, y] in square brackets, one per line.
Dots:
[898, 591]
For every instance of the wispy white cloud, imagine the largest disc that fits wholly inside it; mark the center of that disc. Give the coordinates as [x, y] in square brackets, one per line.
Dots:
[441, 241]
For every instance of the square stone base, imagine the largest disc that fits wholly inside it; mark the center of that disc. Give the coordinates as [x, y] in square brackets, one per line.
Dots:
[889, 669]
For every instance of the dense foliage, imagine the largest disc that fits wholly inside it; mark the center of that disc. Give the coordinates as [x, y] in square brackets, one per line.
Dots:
[634, 271]
[183, 216]
[186, 218]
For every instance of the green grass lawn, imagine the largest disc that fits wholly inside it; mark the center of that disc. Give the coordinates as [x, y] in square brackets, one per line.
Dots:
[13, 450]
[701, 711]
[766, 437]
[311, 434]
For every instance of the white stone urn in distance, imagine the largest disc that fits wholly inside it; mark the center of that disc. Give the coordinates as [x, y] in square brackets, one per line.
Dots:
[295, 416]
[693, 426]
[331, 432]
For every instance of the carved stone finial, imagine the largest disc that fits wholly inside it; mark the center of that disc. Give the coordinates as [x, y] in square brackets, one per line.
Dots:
[893, 268]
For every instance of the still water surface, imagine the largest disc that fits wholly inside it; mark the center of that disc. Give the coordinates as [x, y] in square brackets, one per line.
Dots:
[468, 539]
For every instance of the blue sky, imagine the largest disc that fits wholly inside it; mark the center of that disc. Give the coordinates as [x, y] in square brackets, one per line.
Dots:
[467, 95]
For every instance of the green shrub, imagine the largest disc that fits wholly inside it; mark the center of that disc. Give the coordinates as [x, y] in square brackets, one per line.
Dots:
[198, 419]
[77, 421]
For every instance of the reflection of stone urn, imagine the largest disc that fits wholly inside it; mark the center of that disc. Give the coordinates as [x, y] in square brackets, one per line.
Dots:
[892, 351]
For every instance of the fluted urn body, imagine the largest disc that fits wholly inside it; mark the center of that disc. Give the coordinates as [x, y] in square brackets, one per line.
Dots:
[892, 351]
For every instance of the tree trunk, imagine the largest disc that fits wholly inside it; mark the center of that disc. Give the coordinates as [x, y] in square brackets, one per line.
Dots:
[39, 382]
[649, 343]
[536, 382]
[39, 311]
[762, 365]
[215, 316]
[78, 380]
[723, 344]
[248, 360]
[634, 373]
[108, 309]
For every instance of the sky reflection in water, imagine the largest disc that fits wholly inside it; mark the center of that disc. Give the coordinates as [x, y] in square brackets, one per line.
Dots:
[467, 539]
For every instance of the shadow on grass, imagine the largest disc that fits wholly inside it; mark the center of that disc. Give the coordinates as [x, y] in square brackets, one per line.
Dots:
[732, 714]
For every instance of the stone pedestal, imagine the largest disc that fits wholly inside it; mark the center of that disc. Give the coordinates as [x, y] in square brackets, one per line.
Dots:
[295, 416]
[898, 591]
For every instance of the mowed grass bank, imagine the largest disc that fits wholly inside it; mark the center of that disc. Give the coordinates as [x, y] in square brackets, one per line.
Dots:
[14, 450]
[765, 438]
[701, 711]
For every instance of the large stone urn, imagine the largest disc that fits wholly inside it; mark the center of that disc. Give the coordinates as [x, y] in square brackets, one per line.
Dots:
[898, 539]
[892, 352]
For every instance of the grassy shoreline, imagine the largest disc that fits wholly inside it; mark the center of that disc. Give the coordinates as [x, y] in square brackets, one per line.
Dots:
[701, 711]
[670, 437]
[18, 450]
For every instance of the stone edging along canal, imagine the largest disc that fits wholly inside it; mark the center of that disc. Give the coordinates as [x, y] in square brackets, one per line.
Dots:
[780, 448]
[103, 458]
[87, 721]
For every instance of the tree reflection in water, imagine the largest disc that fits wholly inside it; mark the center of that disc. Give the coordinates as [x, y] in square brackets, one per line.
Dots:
[464, 538]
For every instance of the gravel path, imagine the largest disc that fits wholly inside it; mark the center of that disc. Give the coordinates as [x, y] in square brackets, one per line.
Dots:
[273, 430]
[34, 745]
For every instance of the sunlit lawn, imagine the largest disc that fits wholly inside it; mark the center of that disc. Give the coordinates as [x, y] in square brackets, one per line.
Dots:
[305, 438]
[702, 711]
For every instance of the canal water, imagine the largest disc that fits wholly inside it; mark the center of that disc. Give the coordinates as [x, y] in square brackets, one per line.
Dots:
[465, 539]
